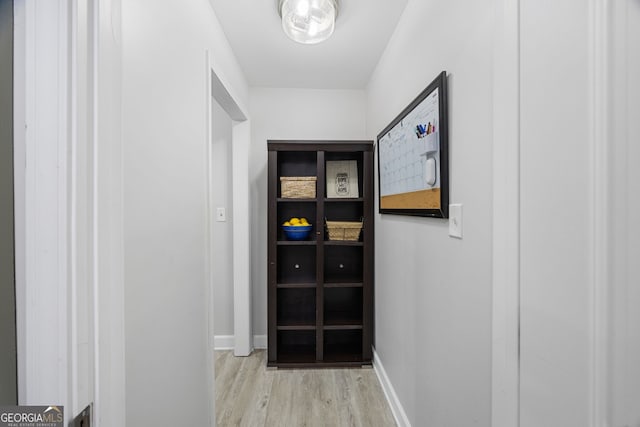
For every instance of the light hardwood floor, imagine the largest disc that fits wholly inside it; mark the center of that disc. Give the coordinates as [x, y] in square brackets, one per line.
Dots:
[248, 394]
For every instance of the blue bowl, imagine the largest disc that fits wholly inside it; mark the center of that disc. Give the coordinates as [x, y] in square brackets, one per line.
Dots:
[297, 232]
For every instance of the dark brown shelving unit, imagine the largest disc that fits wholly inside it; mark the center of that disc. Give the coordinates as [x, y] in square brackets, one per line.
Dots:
[320, 292]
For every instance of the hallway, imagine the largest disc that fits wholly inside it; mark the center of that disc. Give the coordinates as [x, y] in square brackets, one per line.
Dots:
[131, 191]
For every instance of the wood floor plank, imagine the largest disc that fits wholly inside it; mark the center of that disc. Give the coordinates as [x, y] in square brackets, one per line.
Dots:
[368, 394]
[281, 401]
[256, 411]
[227, 385]
[249, 395]
[346, 412]
[245, 396]
[324, 406]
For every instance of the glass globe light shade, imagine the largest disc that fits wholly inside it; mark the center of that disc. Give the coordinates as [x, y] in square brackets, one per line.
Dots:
[308, 21]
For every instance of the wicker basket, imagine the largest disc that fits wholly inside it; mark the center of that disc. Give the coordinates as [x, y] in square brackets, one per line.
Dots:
[298, 187]
[344, 230]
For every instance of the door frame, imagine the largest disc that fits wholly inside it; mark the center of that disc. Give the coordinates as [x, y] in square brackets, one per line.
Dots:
[79, 320]
[42, 182]
[10, 360]
[222, 92]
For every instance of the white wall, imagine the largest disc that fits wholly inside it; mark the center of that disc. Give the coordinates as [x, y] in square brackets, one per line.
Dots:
[433, 293]
[164, 150]
[290, 114]
[556, 213]
[222, 244]
[625, 210]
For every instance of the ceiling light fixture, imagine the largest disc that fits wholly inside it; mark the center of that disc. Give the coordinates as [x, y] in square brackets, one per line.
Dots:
[308, 21]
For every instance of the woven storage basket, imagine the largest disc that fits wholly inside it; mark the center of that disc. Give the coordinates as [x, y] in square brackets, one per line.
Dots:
[344, 230]
[298, 187]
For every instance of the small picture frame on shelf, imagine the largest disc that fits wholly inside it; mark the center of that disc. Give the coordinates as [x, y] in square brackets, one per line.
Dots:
[342, 179]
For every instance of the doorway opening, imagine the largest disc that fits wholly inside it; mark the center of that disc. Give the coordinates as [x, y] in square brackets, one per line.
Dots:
[222, 228]
[229, 137]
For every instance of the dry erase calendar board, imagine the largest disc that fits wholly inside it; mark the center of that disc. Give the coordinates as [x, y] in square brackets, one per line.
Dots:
[413, 157]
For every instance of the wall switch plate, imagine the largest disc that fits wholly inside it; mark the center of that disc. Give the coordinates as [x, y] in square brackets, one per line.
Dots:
[221, 215]
[455, 221]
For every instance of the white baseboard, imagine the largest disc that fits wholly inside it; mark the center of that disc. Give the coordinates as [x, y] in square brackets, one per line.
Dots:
[260, 342]
[225, 342]
[396, 407]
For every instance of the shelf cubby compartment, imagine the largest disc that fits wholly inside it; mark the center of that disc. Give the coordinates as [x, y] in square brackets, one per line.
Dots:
[296, 346]
[343, 308]
[296, 163]
[343, 262]
[343, 209]
[296, 308]
[343, 345]
[296, 264]
[342, 155]
[298, 209]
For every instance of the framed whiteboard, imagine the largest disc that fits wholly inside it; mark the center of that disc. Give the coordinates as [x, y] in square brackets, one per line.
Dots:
[413, 161]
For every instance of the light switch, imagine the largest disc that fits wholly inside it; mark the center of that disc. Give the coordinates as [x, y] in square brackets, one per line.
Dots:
[455, 221]
[221, 215]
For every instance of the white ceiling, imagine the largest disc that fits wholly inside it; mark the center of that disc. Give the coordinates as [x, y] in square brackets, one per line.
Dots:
[345, 61]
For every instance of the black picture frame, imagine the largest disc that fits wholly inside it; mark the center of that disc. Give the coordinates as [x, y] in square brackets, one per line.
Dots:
[413, 156]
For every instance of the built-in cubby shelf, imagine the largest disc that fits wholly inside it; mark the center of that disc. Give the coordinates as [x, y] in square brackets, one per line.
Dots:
[320, 291]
